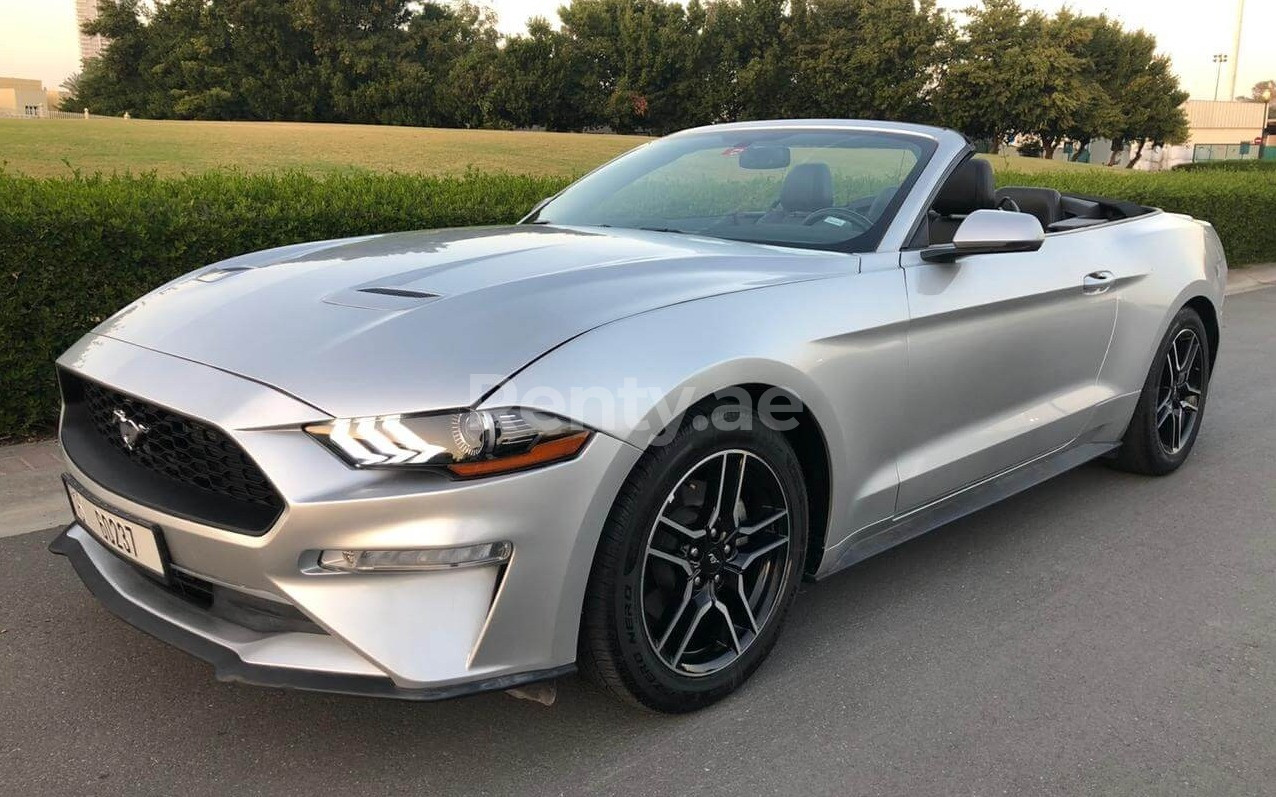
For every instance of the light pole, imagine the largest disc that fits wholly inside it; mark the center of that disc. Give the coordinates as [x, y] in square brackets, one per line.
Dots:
[1236, 50]
[1267, 109]
[1219, 60]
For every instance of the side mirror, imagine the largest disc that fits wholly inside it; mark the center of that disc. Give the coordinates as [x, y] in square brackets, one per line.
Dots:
[989, 232]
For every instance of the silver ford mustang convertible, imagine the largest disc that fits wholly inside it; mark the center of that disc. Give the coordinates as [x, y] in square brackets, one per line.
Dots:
[616, 435]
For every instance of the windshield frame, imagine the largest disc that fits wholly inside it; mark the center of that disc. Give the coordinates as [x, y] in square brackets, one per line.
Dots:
[925, 146]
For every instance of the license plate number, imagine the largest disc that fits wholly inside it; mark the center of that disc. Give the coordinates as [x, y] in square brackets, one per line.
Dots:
[129, 539]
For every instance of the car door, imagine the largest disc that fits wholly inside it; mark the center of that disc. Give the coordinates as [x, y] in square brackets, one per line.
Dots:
[1004, 352]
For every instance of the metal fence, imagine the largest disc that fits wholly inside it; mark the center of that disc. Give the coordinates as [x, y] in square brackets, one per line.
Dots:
[1224, 152]
[9, 113]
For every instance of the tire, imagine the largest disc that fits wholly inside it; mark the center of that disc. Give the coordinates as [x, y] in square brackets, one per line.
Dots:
[1155, 448]
[637, 640]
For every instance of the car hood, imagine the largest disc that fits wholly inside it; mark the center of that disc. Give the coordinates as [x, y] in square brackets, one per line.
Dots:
[418, 321]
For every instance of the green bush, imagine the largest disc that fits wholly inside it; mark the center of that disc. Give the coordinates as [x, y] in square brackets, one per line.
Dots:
[1228, 166]
[73, 251]
[1031, 148]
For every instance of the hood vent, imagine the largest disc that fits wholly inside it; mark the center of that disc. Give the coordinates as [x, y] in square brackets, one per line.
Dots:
[220, 273]
[381, 297]
[401, 292]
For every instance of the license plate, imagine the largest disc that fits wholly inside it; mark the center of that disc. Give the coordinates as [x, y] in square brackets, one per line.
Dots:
[130, 539]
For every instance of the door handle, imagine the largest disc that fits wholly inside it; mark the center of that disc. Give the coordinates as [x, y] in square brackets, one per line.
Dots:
[1097, 282]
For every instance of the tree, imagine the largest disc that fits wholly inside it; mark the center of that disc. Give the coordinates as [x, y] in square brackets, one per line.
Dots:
[70, 94]
[1072, 103]
[116, 81]
[276, 70]
[631, 65]
[1098, 46]
[1113, 58]
[871, 59]
[1157, 117]
[1000, 77]
[1069, 77]
[1256, 94]
[1261, 87]
[746, 60]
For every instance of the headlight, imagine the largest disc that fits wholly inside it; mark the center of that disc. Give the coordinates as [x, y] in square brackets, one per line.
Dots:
[468, 443]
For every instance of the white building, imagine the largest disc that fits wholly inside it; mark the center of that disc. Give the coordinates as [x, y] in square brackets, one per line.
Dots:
[21, 97]
[90, 46]
[1217, 130]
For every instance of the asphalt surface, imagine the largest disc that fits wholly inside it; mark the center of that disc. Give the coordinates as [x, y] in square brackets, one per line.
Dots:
[1102, 633]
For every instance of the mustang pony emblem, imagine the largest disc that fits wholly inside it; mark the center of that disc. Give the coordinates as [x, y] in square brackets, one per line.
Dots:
[130, 430]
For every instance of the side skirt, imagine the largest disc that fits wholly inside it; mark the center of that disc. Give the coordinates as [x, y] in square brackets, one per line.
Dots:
[879, 537]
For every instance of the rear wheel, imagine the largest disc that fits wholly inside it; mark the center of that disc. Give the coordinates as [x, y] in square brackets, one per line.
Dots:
[697, 565]
[1172, 404]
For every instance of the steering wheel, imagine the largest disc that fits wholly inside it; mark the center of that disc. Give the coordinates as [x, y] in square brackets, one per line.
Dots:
[846, 214]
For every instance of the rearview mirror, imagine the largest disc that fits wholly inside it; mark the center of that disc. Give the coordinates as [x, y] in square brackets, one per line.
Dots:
[764, 157]
[988, 232]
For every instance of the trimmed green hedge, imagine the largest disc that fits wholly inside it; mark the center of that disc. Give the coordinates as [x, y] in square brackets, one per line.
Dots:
[1229, 166]
[72, 251]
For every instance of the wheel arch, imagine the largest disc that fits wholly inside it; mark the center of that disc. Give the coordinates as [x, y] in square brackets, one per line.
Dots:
[811, 446]
[809, 443]
[1209, 316]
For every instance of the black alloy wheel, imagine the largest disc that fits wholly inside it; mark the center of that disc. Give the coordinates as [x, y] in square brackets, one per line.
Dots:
[716, 560]
[698, 563]
[1169, 413]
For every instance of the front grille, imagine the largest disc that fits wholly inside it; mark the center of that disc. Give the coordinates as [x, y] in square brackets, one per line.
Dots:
[180, 448]
[177, 464]
[192, 588]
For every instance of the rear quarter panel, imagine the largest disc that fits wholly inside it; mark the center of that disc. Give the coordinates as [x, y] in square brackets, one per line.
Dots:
[1161, 261]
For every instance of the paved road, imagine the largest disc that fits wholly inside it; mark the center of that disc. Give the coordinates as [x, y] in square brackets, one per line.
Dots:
[1102, 633]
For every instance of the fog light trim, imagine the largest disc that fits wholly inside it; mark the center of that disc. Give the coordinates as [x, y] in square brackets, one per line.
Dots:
[413, 560]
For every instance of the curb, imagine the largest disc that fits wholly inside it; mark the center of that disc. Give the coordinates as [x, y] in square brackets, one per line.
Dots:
[31, 496]
[1251, 278]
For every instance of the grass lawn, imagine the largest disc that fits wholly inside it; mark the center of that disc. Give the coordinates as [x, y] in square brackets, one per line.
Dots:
[1014, 163]
[53, 147]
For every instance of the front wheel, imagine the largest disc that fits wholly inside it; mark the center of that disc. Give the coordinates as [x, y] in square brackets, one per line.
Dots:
[1172, 404]
[697, 565]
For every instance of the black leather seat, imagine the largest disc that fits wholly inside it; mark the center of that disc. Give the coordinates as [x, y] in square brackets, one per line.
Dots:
[1044, 203]
[969, 188]
[808, 187]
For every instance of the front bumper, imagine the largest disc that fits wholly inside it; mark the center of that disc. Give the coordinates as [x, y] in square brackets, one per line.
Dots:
[423, 635]
[291, 660]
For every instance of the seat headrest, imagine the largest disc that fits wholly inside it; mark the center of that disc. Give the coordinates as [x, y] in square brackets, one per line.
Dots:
[1044, 203]
[971, 187]
[807, 187]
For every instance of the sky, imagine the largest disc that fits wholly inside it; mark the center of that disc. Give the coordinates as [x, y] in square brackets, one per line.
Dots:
[37, 37]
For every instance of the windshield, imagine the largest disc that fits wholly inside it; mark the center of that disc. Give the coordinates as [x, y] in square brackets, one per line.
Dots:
[822, 189]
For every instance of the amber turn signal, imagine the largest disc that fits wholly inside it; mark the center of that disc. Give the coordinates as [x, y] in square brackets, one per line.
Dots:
[540, 454]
